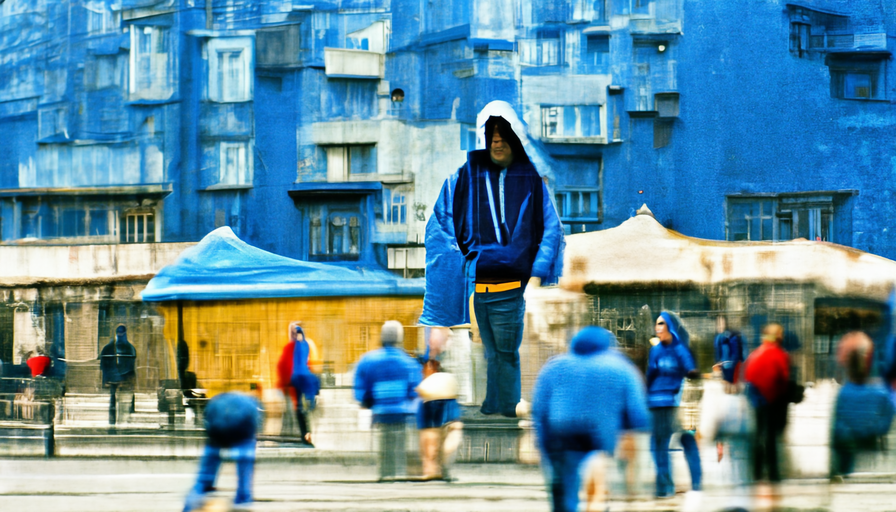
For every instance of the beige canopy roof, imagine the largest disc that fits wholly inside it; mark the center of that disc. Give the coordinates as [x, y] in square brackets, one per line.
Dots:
[642, 251]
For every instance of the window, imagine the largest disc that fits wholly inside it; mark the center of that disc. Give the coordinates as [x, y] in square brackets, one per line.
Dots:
[139, 227]
[229, 69]
[395, 208]
[345, 161]
[279, 46]
[858, 78]
[151, 75]
[642, 8]
[579, 209]
[467, 137]
[782, 217]
[51, 121]
[335, 232]
[543, 51]
[571, 121]
[235, 167]
[662, 133]
[799, 38]
[104, 71]
[597, 50]
[751, 219]
[101, 19]
[92, 221]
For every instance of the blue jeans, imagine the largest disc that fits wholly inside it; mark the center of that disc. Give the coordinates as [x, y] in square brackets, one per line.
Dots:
[566, 479]
[243, 454]
[499, 316]
[665, 423]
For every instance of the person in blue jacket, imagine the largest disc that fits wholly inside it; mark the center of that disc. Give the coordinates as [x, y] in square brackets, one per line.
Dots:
[668, 363]
[231, 422]
[569, 428]
[385, 382]
[864, 409]
[496, 219]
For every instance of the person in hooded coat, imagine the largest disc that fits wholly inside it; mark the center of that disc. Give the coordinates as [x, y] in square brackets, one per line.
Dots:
[297, 371]
[568, 430]
[497, 214]
[668, 363]
[118, 362]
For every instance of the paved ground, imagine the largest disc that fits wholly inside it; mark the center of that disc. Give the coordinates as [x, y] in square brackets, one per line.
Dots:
[130, 485]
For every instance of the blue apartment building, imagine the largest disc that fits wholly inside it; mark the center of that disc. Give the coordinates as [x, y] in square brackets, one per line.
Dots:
[323, 130]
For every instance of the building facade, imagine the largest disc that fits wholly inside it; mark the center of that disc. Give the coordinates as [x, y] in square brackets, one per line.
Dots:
[323, 130]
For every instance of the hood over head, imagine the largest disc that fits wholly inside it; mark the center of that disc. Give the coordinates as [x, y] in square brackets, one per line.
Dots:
[121, 333]
[591, 340]
[508, 134]
[295, 328]
[676, 328]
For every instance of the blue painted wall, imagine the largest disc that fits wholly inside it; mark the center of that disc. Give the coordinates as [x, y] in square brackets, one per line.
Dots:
[692, 107]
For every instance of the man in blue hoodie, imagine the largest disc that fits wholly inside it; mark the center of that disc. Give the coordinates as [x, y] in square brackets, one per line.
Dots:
[569, 429]
[668, 363]
[508, 231]
[385, 382]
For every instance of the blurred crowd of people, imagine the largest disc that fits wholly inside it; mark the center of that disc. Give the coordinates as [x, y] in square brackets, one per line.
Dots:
[586, 406]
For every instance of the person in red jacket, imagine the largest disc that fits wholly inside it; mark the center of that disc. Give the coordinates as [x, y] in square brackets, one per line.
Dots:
[768, 373]
[297, 372]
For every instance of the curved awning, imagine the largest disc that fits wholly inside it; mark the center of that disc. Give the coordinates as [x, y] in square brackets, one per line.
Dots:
[223, 267]
[640, 251]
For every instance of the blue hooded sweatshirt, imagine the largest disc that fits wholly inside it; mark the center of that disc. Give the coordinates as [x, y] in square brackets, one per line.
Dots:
[302, 378]
[231, 418]
[667, 365]
[465, 240]
[862, 412]
[593, 392]
[385, 382]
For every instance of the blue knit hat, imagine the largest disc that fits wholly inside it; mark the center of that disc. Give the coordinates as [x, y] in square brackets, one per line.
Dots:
[592, 340]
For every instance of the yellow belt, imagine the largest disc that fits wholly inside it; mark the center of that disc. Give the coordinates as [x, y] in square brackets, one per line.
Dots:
[496, 287]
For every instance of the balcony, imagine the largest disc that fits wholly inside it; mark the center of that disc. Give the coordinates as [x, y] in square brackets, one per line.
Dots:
[342, 63]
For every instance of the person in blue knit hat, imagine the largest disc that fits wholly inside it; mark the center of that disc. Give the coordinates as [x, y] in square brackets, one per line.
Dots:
[668, 363]
[568, 430]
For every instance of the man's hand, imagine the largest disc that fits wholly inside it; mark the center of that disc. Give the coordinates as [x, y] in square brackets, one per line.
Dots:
[535, 281]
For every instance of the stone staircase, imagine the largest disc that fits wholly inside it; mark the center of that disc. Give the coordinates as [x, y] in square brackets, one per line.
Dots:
[338, 423]
[92, 410]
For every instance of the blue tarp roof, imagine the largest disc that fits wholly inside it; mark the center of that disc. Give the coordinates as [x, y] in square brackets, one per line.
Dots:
[223, 267]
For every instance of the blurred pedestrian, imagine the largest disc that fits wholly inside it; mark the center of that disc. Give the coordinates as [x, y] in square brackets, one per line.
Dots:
[728, 348]
[231, 422]
[581, 402]
[864, 411]
[726, 418]
[437, 419]
[668, 363]
[385, 382]
[118, 364]
[298, 371]
[767, 370]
